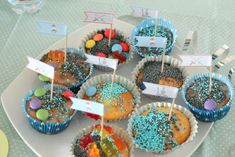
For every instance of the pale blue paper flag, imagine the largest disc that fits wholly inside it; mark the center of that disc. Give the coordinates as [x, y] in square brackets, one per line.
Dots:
[52, 28]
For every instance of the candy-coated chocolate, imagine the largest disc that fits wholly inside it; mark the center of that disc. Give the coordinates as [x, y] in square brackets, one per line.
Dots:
[91, 91]
[125, 47]
[90, 44]
[121, 58]
[98, 37]
[43, 78]
[39, 92]
[210, 104]
[117, 47]
[42, 114]
[106, 33]
[101, 54]
[67, 94]
[35, 104]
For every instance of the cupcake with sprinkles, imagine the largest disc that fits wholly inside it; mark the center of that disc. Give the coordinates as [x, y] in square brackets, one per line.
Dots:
[97, 44]
[149, 70]
[45, 115]
[114, 142]
[147, 28]
[208, 106]
[71, 73]
[118, 103]
[151, 130]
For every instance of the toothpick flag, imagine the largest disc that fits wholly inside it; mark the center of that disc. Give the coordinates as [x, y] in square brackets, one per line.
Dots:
[52, 28]
[40, 67]
[193, 60]
[191, 40]
[144, 12]
[98, 17]
[160, 90]
[107, 62]
[144, 41]
[87, 106]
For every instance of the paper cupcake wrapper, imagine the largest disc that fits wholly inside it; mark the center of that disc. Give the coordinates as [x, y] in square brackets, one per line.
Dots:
[126, 39]
[116, 130]
[44, 127]
[151, 22]
[192, 120]
[131, 87]
[205, 115]
[168, 59]
[79, 83]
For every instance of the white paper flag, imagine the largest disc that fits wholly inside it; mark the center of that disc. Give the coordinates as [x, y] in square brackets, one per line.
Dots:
[192, 60]
[52, 28]
[107, 62]
[99, 17]
[160, 90]
[144, 12]
[87, 106]
[191, 39]
[144, 41]
[40, 67]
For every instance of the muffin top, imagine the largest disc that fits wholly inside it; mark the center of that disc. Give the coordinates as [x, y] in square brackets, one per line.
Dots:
[40, 108]
[152, 131]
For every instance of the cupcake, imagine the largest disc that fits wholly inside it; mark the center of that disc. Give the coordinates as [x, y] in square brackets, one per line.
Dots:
[151, 130]
[70, 74]
[147, 28]
[96, 43]
[208, 106]
[49, 117]
[149, 70]
[119, 103]
[115, 142]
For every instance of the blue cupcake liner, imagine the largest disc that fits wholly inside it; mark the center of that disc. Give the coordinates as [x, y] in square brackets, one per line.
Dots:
[46, 128]
[205, 115]
[151, 22]
[79, 83]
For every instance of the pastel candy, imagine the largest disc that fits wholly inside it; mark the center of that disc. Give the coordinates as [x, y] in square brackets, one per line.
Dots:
[35, 104]
[42, 114]
[210, 104]
[98, 37]
[43, 78]
[90, 44]
[117, 47]
[90, 91]
[39, 92]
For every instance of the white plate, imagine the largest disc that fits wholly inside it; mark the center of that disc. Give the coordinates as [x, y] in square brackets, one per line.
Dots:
[59, 145]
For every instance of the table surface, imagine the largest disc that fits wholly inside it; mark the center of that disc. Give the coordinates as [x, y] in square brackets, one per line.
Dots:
[213, 19]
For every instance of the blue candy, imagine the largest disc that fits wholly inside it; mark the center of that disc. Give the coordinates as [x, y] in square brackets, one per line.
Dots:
[91, 91]
[117, 47]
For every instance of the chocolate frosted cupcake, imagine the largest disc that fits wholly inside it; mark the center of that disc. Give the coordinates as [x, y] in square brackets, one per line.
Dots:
[119, 103]
[96, 43]
[208, 106]
[49, 117]
[151, 130]
[70, 74]
[115, 142]
[147, 28]
[149, 70]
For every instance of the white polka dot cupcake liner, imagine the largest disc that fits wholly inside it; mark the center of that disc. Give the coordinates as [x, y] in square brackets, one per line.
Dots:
[45, 127]
[151, 22]
[168, 59]
[79, 83]
[206, 115]
[116, 130]
[154, 106]
[126, 39]
[124, 82]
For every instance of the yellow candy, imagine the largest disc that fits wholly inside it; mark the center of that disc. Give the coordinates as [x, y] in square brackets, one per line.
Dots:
[90, 44]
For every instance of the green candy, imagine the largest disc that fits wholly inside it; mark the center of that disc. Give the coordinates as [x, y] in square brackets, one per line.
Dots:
[42, 114]
[43, 78]
[39, 92]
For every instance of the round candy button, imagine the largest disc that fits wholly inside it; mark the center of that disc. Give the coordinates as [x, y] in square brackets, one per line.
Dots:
[117, 47]
[90, 44]
[90, 91]
[98, 37]
[101, 54]
[43, 78]
[210, 104]
[106, 33]
[42, 114]
[67, 94]
[39, 92]
[35, 104]
[125, 47]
